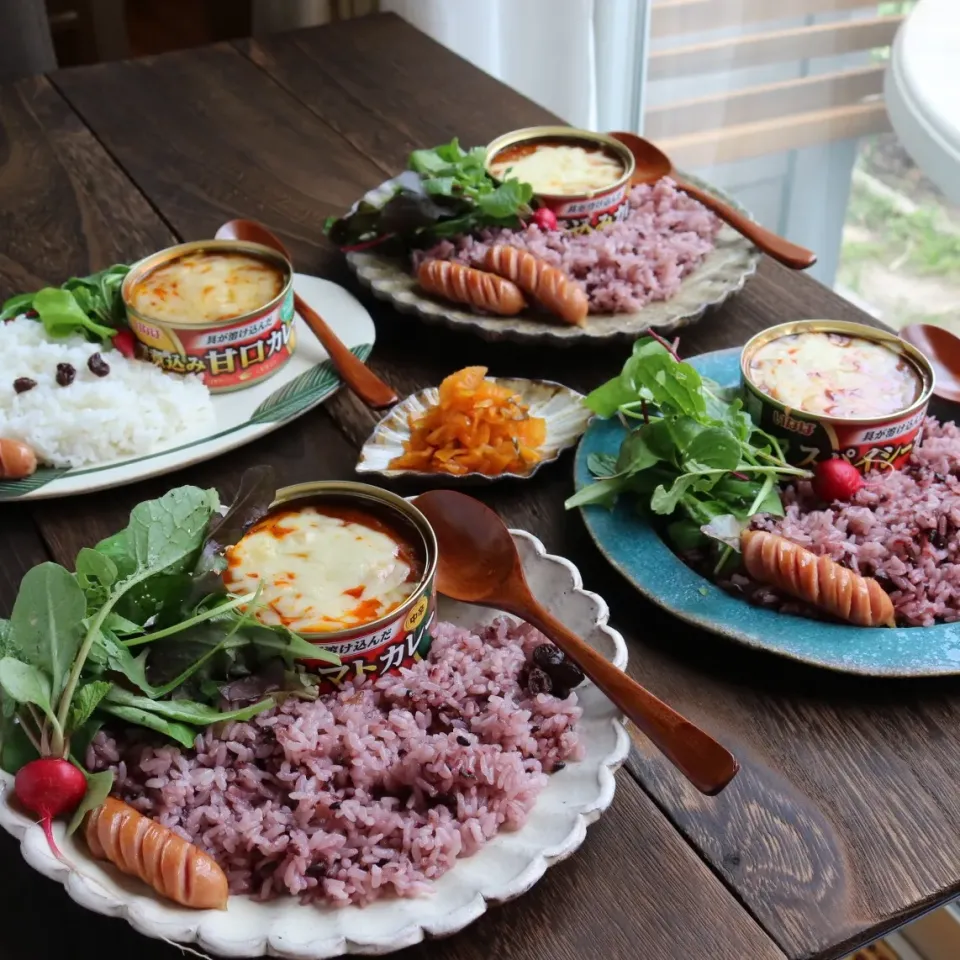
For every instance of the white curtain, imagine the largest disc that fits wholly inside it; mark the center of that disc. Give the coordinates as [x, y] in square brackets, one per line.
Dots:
[581, 59]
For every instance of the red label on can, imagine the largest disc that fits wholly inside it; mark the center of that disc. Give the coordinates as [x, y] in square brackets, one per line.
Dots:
[228, 355]
[885, 443]
[584, 214]
[367, 656]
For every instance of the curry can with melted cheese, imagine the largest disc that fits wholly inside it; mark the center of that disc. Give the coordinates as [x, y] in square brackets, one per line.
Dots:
[834, 389]
[347, 566]
[583, 177]
[219, 308]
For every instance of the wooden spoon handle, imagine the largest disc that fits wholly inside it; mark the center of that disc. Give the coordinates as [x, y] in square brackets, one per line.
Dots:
[708, 765]
[789, 254]
[356, 374]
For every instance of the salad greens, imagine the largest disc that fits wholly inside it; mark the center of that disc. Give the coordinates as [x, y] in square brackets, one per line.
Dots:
[692, 453]
[446, 191]
[144, 631]
[90, 305]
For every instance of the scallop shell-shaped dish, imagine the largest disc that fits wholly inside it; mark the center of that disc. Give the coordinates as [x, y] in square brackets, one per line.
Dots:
[562, 408]
[723, 272]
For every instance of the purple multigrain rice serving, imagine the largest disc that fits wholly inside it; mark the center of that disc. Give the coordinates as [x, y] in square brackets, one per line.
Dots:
[373, 791]
[622, 266]
[901, 528]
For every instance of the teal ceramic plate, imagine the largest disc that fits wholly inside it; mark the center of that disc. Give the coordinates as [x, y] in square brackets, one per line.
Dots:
[633, 547]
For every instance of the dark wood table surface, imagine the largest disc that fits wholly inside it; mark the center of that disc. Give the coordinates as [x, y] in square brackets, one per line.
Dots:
[843, 821]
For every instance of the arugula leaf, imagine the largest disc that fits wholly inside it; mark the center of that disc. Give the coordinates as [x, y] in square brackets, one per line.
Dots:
[186, 711]
[636, 452]
[110, 653]
[99, 786]
[182, 734]
[665, 499]
[24, 683]
[85, 701]
[45, 628]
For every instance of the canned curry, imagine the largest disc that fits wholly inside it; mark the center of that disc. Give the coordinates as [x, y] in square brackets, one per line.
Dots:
[350, 568]
[830, 388]
[219, 308]
[583, 177]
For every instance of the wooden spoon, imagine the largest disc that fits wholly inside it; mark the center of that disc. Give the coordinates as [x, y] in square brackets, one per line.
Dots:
[942, 349]
[653, 163]
[479, 564]
[355, 373]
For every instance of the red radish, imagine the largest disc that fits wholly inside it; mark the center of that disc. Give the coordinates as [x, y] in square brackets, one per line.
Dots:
[836, 480]
[545, 218]
[50, 786]
[125, 342]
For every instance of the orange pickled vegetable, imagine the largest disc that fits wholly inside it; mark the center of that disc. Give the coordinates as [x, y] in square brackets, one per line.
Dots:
[477, 427]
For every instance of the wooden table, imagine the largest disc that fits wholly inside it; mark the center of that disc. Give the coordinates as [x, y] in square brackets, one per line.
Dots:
[843, 821]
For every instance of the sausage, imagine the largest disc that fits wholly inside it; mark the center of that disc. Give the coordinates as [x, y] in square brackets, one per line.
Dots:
[547, 285]
[161, 858]
[820, 581]
[486, 291]
[17, 460]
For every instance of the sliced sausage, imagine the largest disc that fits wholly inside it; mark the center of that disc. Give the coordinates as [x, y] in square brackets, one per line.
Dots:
[161, 858]
[454, 281]
[550, 287]
[820, 581]
[17, 460]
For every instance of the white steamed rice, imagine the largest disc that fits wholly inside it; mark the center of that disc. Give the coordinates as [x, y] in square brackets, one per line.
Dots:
[134, 410]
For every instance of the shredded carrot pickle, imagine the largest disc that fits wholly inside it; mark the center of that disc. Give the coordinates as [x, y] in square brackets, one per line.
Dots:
[477, 427]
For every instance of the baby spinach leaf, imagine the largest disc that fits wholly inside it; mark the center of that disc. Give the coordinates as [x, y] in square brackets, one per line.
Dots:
[182, 734]
[636, 453]
[186, 711]
[603, 492]
[609, 397]
[94, 565]
[62, 316]
[99, 786]
[45, 628]
[121, 626]
[685, 535]
[16, 305]
[110, 653]
[167, 532]
[85, 701]
[16, 750]
[25, 683]
[4, 636]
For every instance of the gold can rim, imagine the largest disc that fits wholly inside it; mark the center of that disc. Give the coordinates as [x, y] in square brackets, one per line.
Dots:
[159, 258]
[526, 134]
[311, 490]
[919, 361]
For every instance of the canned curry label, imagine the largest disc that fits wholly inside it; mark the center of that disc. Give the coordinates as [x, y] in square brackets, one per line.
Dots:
[834, 389]
[368, 656]
[582, 216]
[227, 356]
[222, 309]
[872, 446]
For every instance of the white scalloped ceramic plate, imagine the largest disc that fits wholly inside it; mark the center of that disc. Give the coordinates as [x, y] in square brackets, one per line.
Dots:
[723, 273]
[562, 408]
[505, 868]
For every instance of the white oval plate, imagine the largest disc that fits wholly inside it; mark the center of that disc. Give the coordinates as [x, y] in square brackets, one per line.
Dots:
[241, 416]
[504, 868]
[567, 418]
[723, 273]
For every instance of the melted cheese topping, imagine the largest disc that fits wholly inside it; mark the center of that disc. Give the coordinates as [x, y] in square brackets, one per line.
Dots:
[322, 570]
[206, 286]
[835, 375]
[559, 169]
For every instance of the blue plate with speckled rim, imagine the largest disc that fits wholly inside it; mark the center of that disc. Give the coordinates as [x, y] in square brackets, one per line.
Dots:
[634, 548]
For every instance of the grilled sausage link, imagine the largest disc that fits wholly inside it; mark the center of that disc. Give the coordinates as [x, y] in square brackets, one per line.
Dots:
[454, 281]
[820, 581]
[17, 460]
[547, 285]
[146, 849]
